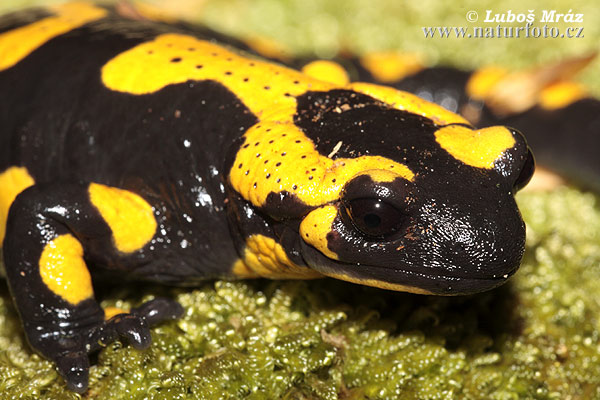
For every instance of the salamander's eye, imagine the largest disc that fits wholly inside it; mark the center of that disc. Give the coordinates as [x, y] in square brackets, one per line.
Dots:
[526, 172]
[374, 217]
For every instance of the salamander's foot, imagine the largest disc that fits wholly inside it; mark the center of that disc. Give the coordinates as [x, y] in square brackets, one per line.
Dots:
[70, 351]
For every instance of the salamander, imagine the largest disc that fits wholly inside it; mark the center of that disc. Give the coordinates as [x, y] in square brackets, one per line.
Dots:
[141, 150]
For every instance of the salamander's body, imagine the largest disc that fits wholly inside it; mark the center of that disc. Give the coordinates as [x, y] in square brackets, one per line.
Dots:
[146, 151]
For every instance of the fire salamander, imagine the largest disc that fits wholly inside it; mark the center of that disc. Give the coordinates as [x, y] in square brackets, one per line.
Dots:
[145, 150]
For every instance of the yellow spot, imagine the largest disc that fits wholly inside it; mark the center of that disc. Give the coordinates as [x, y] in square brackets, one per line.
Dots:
[561, 94]
[278, 157]
[264, 257]
[477, 148]
[483, 81]
[327, 71]
[63, 270]
[12, 182]
[110, 312]
[408, 102]
[17, 44]
[391, 66]
[267, 47]
[379, 284]
[129, 216]
[315, 227]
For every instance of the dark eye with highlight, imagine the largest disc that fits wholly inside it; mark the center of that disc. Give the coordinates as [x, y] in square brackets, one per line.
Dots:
[526, 172]
[374, 217]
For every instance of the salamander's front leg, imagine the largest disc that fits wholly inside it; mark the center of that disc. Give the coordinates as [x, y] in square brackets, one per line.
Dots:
[53, 233]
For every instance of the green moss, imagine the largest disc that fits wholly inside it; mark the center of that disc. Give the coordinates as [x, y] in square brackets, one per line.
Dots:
[536, 337]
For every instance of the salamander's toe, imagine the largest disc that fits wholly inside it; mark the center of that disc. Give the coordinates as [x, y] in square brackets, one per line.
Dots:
[158, 310]
[133, 328]
[74, 368]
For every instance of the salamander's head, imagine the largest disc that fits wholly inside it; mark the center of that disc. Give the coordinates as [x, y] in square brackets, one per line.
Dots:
[398, 200]
[446, 224]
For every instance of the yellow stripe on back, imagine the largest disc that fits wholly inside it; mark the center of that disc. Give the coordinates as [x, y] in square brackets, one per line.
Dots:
[129, 216]
[18, 43]
[267, 89]
[262, 86]
[12, 182]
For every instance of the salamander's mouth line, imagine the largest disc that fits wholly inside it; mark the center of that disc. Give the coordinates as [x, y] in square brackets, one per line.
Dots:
[430, 276]
[446, 284]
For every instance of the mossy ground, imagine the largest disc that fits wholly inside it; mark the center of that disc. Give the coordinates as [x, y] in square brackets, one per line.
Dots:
[536, 337]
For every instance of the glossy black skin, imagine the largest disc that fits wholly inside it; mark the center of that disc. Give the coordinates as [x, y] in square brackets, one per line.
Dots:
[169, 147]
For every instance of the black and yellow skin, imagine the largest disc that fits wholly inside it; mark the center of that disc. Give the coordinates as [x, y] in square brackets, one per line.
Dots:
[142, 150]
[566, 139]
[561, 120]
